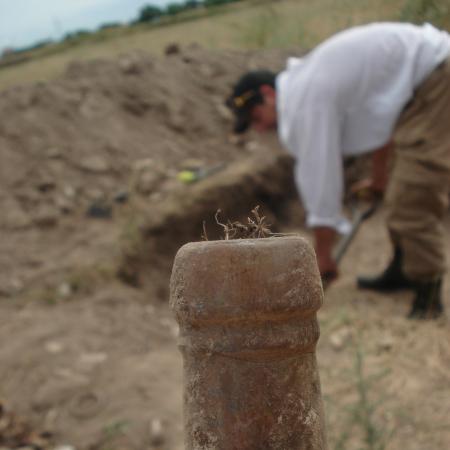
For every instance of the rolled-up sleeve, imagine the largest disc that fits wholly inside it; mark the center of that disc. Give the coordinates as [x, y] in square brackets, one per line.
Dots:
[319, 167]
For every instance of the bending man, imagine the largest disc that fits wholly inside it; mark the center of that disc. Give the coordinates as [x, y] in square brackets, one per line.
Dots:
[357, 92]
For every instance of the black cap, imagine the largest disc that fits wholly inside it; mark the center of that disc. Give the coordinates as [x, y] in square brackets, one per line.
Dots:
[246, 94]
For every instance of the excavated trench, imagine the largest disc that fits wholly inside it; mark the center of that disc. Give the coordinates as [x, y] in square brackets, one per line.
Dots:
[188, 213]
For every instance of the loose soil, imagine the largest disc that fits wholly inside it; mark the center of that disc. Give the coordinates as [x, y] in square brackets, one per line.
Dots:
[88, 171]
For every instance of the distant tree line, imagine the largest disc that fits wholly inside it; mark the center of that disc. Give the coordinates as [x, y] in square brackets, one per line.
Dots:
[151, 13]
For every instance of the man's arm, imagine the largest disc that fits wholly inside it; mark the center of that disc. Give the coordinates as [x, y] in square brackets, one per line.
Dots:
[376, 184]
[319, 178]
[380, 167]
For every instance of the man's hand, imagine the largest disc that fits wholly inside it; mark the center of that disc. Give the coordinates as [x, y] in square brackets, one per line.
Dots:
[373, 188]
[324, 239]
[366, 190]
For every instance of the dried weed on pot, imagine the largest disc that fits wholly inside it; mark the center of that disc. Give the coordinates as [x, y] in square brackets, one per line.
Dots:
[255, 228]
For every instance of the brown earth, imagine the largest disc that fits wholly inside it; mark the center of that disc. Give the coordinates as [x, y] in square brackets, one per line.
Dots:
[88, 170]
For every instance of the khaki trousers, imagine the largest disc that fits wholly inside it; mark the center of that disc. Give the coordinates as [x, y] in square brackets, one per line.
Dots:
[417, 197]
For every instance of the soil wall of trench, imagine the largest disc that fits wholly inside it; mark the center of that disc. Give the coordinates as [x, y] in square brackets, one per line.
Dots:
[189, 214]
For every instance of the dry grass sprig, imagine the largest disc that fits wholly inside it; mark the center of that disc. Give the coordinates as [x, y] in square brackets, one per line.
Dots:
[256, 227]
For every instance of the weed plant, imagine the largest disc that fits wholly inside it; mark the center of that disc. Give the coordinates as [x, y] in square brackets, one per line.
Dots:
[361, 415]
[433, 11]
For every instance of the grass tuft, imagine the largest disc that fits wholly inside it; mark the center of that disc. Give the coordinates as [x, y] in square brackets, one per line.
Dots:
[436, 12]
[362, 414]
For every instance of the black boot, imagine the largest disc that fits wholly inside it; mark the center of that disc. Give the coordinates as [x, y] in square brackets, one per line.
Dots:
[392, 279]
[427, 303]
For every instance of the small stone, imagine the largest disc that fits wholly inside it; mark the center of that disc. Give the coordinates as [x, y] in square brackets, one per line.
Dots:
[54, 153]
[17, 285]
[147, 176]
[386, 343]
[86, 405]
[206, 71]
[99, 210]
[171, 325]
[54, 347]
[51, 416]
[96, 195]
[93, 359]
[156, 196]
[121, 197]
[156, 432]
[252, 146]
[46, 185]
[129, 66]
[339, 338]
[64, 447]
[10, 287]
[94, 164]
[148, 182]
[172, 49]
[64, 204]
[46, 217]
[70, 192]
[65, 290]
[236, 139]
[223, 111]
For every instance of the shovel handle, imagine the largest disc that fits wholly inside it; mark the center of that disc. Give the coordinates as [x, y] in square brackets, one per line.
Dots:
[360, 216]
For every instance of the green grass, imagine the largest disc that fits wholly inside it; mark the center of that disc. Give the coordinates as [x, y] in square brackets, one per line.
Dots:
[242, 25]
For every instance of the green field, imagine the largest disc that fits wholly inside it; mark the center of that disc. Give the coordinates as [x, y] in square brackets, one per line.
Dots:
[247, 24]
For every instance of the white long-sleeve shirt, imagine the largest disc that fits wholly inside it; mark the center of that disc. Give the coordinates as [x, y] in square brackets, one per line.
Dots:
[344, 98]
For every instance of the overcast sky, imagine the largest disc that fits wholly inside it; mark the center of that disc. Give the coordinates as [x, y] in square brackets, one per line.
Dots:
[23, 22]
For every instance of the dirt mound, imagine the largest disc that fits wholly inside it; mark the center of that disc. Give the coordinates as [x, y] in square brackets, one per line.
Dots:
[79, 138]
[105, 135]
